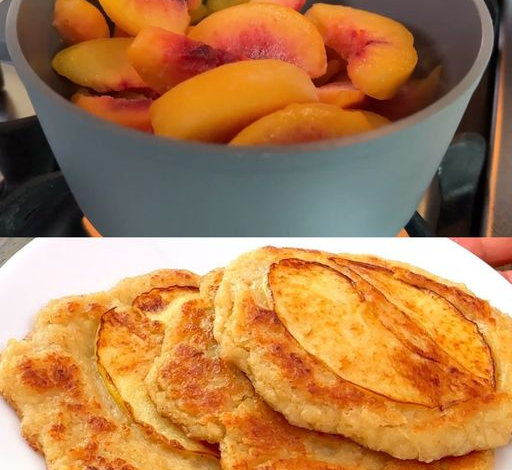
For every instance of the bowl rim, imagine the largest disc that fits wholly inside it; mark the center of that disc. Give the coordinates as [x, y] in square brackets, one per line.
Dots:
[264, 151]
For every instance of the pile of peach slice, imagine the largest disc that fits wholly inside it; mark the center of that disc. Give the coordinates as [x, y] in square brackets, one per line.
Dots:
[240, 72]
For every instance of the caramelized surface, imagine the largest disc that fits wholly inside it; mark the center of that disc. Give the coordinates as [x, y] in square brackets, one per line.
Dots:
[213, 400]
[350, 325]
[129, 339]
[67, 414]
[189, 382]
[258, 438]
[390, 356]
[437, 317]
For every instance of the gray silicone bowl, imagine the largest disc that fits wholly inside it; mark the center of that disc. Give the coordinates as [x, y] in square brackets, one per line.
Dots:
[129, 183]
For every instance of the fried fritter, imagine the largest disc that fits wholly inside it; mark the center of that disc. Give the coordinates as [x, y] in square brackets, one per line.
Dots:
[258, 438]
[129, 339]
[52, 381]
[385, 354]
[189, 383]
[213, 400]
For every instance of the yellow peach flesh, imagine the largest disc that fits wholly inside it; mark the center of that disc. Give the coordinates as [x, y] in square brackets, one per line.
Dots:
[215, 105]
[100, 64]
[380, 51]
[293, 4]
[78, 21]
[125, 112]
[341, 93]
[307, 123]
[134, 15]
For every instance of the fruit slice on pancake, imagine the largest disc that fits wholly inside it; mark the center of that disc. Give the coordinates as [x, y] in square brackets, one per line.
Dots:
[430, 335]
[51, 379]
[189, 382]
[391, 358]
[455, 334]
[129, 339]
[213, 400]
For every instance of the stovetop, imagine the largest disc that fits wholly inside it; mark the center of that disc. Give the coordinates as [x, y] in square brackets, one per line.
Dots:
[471, 194]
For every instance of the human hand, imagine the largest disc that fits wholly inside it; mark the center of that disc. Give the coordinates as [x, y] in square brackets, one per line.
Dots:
[495, 251]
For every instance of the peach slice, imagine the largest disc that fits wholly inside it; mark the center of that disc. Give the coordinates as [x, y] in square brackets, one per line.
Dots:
[307, 123]
[78, 21]
[380, 51]
[135, 15]
[412, 97]
[193, 5]
[120, 33]
[265, 31]
[163, 58]
[334, 67]
[100, 64]
[217, 5]
[197, 15]
[341, 93]
[215, 105]
[128, 113]
[293, 4]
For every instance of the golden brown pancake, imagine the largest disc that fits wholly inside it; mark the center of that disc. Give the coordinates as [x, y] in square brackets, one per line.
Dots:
[129, 339]
[189, 383]
[52, 381]
[213, 400]
[385, 354]
[258, 438]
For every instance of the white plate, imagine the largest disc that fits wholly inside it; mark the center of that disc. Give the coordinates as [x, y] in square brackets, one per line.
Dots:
[50, 268]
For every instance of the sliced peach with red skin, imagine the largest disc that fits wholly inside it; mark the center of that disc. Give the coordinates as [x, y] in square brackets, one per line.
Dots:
[163, 58]
[380, 51]
[293, 4]
[78, 21]
[134, 15]
[309, 122]
[415, 95]
[128, 113]
[100, 64]
[265, 31]
[341, 93]
[215, 105]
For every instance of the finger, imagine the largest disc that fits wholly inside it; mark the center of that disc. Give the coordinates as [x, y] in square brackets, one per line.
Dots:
[507, 275]
[495, 251]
